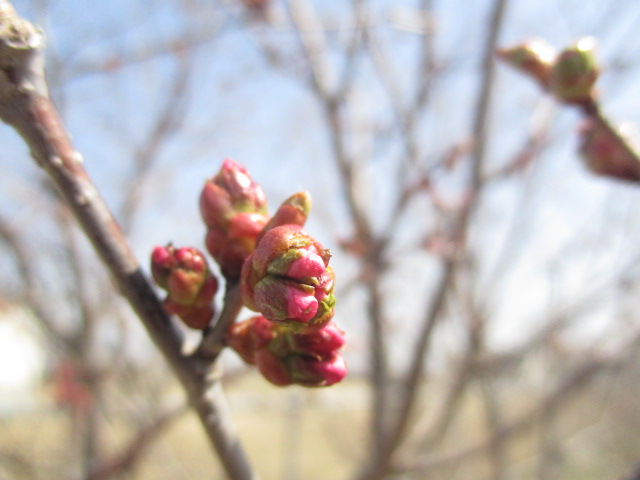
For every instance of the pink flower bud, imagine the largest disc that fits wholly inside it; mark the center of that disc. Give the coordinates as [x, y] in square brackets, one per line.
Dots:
[293, 211]
[288, 279]
[197, 317]
[273, 368]
[534, 58]
[162, 263]
[575, 72]
[233, 207]
[280, 300]
[190, 287]
[251, 335]
[321, 342]
[314, 372]
[230, 192]
[308, 264]
[284, 357]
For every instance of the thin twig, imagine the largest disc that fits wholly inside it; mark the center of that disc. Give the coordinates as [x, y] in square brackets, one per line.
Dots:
[136, 447]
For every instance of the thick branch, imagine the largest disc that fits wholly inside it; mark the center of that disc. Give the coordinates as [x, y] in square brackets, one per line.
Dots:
[26, 106]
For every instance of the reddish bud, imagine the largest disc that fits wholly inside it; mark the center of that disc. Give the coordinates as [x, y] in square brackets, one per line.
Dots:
[293, 211]
[251, 335]
[190, 287]
[321, 342]
[609, 153]
[284, 357]
[288, 279]
[273, 368]
[317, 372]
[233, 207]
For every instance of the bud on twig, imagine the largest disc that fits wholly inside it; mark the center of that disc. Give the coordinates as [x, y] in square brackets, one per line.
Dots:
[233, 207]
[288, 280]
[284, 357]
[534, 57]
[575, 72]
[293, 211]
[190, 287]
[609, 151]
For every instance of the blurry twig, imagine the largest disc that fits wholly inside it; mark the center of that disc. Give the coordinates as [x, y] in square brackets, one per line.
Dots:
[323, 80]
[32, 290]
[633, 474]
[133, 451]
[557, 399]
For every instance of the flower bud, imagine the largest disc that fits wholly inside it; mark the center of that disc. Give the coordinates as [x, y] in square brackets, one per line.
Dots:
[607, 153]
[284, 357]
[575, 72]
[293, 211]
[190, 287]
[534, 57]
[316, 372]
[251, 335]
[233, 207]
[321, 342]
[288, 279]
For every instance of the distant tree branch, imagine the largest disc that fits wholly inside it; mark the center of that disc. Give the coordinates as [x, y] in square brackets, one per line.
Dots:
[137, 446]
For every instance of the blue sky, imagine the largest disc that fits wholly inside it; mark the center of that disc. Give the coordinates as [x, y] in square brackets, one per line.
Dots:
[267, 119]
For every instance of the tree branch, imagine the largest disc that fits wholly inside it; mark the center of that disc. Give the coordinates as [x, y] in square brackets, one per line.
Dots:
[26, 106]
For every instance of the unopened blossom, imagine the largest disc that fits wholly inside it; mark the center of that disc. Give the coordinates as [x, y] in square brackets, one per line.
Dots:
[534, 57]
[288, 279]
[575, 72]
[234, 210]
[284, 357]
[609, 151]
[190, 286]
[293, 211]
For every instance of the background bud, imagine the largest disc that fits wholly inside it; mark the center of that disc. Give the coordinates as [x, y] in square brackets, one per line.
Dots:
[575, 72]
[609, 153]
[534, 58]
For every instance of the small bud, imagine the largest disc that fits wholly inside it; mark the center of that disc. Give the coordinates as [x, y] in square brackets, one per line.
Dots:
[231, 191]
[272, 368]
[534, 58]
[284, 357]
[321, 342]
[190, 287]
[314, 372]
[162, 264]
[192, 316]
[575, 72]
[293, 211]
[608, 154]
[288, 279]
[233, 207]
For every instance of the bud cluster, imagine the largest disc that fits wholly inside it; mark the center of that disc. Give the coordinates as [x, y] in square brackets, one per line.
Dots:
[571, 76]
[190, 286]
[284, 357]
[284, 275]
